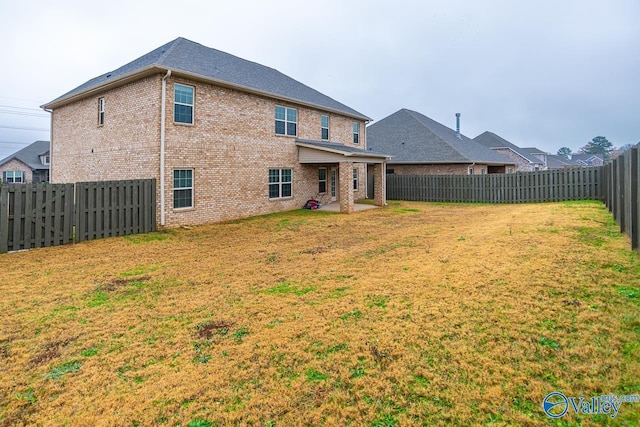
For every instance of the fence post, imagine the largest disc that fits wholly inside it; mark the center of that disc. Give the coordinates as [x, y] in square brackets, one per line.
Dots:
[4, 218]
[634, 198]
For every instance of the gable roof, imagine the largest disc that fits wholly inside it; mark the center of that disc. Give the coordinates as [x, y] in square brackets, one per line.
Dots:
[556, 162]
[414, 138]
[587, 159]
[30, 155]
[186, 58]
[491, 140]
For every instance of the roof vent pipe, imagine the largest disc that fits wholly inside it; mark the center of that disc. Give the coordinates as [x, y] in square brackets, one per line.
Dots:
[458, 126]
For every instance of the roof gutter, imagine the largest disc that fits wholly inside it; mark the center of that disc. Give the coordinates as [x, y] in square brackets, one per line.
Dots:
[163, 120]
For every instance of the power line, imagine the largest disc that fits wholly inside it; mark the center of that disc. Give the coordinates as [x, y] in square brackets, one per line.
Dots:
[15, 143]
[21, 108]
[23, 128]
[23, 113]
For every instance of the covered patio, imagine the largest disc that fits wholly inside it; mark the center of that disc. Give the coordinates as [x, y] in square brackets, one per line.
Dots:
[341, 159]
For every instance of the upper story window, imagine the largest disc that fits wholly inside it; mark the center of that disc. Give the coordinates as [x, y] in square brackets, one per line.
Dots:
[183, 104]
[356, 133]
[286, 121]
[45, 159]
[324, 125]
[12, 177]
[100, 111]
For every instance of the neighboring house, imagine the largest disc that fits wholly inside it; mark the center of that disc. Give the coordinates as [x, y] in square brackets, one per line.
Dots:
[559, 162]
[588, 159]
[225, 137]
[526, 159]
[29, 165]
[420, 145]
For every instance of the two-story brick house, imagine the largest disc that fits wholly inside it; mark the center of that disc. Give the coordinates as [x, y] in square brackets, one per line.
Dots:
[225, 137]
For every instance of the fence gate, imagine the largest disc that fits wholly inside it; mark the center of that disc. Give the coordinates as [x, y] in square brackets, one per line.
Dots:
[35, 216]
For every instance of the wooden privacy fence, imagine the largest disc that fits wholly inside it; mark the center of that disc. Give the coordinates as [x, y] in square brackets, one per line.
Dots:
[35, 215]
[521, 187]
[115, 208]
[622, 194]
[39, 215]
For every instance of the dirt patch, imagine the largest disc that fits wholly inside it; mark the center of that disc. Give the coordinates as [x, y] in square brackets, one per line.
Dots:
[121, 281]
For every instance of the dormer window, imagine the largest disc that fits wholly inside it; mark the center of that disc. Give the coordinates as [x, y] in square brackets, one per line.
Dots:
[45, 159]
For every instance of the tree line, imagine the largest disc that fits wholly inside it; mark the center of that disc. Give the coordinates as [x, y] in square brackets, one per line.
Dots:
[597, 145]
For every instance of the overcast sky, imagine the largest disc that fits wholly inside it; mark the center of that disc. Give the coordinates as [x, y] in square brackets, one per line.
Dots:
[544, 73]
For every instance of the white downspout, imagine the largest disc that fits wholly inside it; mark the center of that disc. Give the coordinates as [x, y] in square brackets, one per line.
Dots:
[162, 125]
[50, 141]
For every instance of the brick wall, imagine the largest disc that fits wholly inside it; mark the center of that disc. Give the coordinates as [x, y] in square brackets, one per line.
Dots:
[230, 147]
[522, 165]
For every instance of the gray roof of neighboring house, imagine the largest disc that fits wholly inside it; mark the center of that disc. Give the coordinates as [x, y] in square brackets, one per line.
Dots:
[30, 155]
[586, 158]
[194, 60]
[412, 137]
[556, 162]
[491, 140]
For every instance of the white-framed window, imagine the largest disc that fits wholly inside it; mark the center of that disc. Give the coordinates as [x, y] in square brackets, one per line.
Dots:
[470, 171]
[183, 103]
[355, 178]
[100, 111]
[45, 159]
[324, 126]
[356, 133]
[482, 171]
[322, 180]
[13, 177]
[182, 188]
[509, 170]
[280, 182]
[286, 121]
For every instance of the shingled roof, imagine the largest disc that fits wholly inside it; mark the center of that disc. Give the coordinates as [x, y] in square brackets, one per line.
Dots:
[491, 140]
[30, 155]
[193, 60]
[414, 138]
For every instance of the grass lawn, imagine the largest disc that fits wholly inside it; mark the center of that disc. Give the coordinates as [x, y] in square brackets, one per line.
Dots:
[413, 314]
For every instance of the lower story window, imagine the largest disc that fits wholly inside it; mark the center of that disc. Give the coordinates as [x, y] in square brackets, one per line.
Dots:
[182, 188]
[280, 183]
[322, 180]
[355, 179]
[13, 177]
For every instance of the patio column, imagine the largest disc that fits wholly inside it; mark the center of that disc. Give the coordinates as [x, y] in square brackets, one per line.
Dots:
[346, 187]
[380, 184]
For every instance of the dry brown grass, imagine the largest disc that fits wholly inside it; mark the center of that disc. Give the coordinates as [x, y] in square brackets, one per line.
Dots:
[415, 314]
